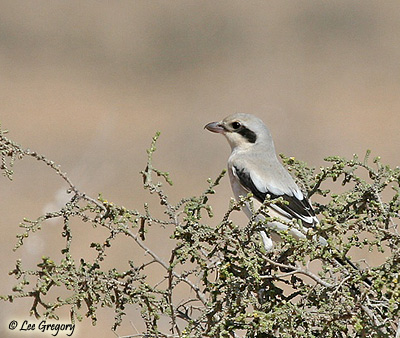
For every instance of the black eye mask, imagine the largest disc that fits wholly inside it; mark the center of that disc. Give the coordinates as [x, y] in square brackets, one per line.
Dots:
[247, 134]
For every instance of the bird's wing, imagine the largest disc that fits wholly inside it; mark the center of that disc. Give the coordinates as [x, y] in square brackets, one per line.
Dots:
[297, 205]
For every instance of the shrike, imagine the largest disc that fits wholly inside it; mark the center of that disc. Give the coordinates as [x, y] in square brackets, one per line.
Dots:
[254, 168]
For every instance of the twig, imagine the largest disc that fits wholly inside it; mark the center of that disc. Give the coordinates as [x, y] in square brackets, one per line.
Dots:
[194, 287]
[383, 209]
[299, 271]
[144, 335]
[398, 330]
[64, 176]
[170, 292]
[380, 330]
[341, 284]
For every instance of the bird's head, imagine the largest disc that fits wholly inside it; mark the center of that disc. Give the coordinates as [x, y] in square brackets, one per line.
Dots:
[242, 130]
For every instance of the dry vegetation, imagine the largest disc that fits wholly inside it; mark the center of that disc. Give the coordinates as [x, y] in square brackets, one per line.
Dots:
[235, 288]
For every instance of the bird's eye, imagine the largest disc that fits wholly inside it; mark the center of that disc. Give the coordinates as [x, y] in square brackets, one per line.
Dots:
[236, 125]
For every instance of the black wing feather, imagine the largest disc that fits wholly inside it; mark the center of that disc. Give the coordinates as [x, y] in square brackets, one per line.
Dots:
[295, 207]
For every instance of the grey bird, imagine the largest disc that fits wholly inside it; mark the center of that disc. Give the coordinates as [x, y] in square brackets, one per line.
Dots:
[254, 168]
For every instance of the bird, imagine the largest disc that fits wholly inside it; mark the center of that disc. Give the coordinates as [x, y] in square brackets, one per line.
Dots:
[254, 167]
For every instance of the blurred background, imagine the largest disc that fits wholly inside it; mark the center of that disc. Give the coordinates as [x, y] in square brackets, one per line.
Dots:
[88, 83]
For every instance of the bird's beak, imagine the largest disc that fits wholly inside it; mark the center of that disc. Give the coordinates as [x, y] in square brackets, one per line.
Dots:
[215, 127]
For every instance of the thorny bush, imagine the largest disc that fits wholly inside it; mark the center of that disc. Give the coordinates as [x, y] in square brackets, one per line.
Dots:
[237, 289]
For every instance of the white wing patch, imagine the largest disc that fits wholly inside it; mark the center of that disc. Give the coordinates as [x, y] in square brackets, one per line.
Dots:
[298, 194]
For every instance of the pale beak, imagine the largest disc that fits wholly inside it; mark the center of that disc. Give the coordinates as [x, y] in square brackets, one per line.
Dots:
[215, 127]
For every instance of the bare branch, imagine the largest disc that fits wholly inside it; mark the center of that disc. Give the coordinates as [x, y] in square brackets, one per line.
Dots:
[297, 270]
